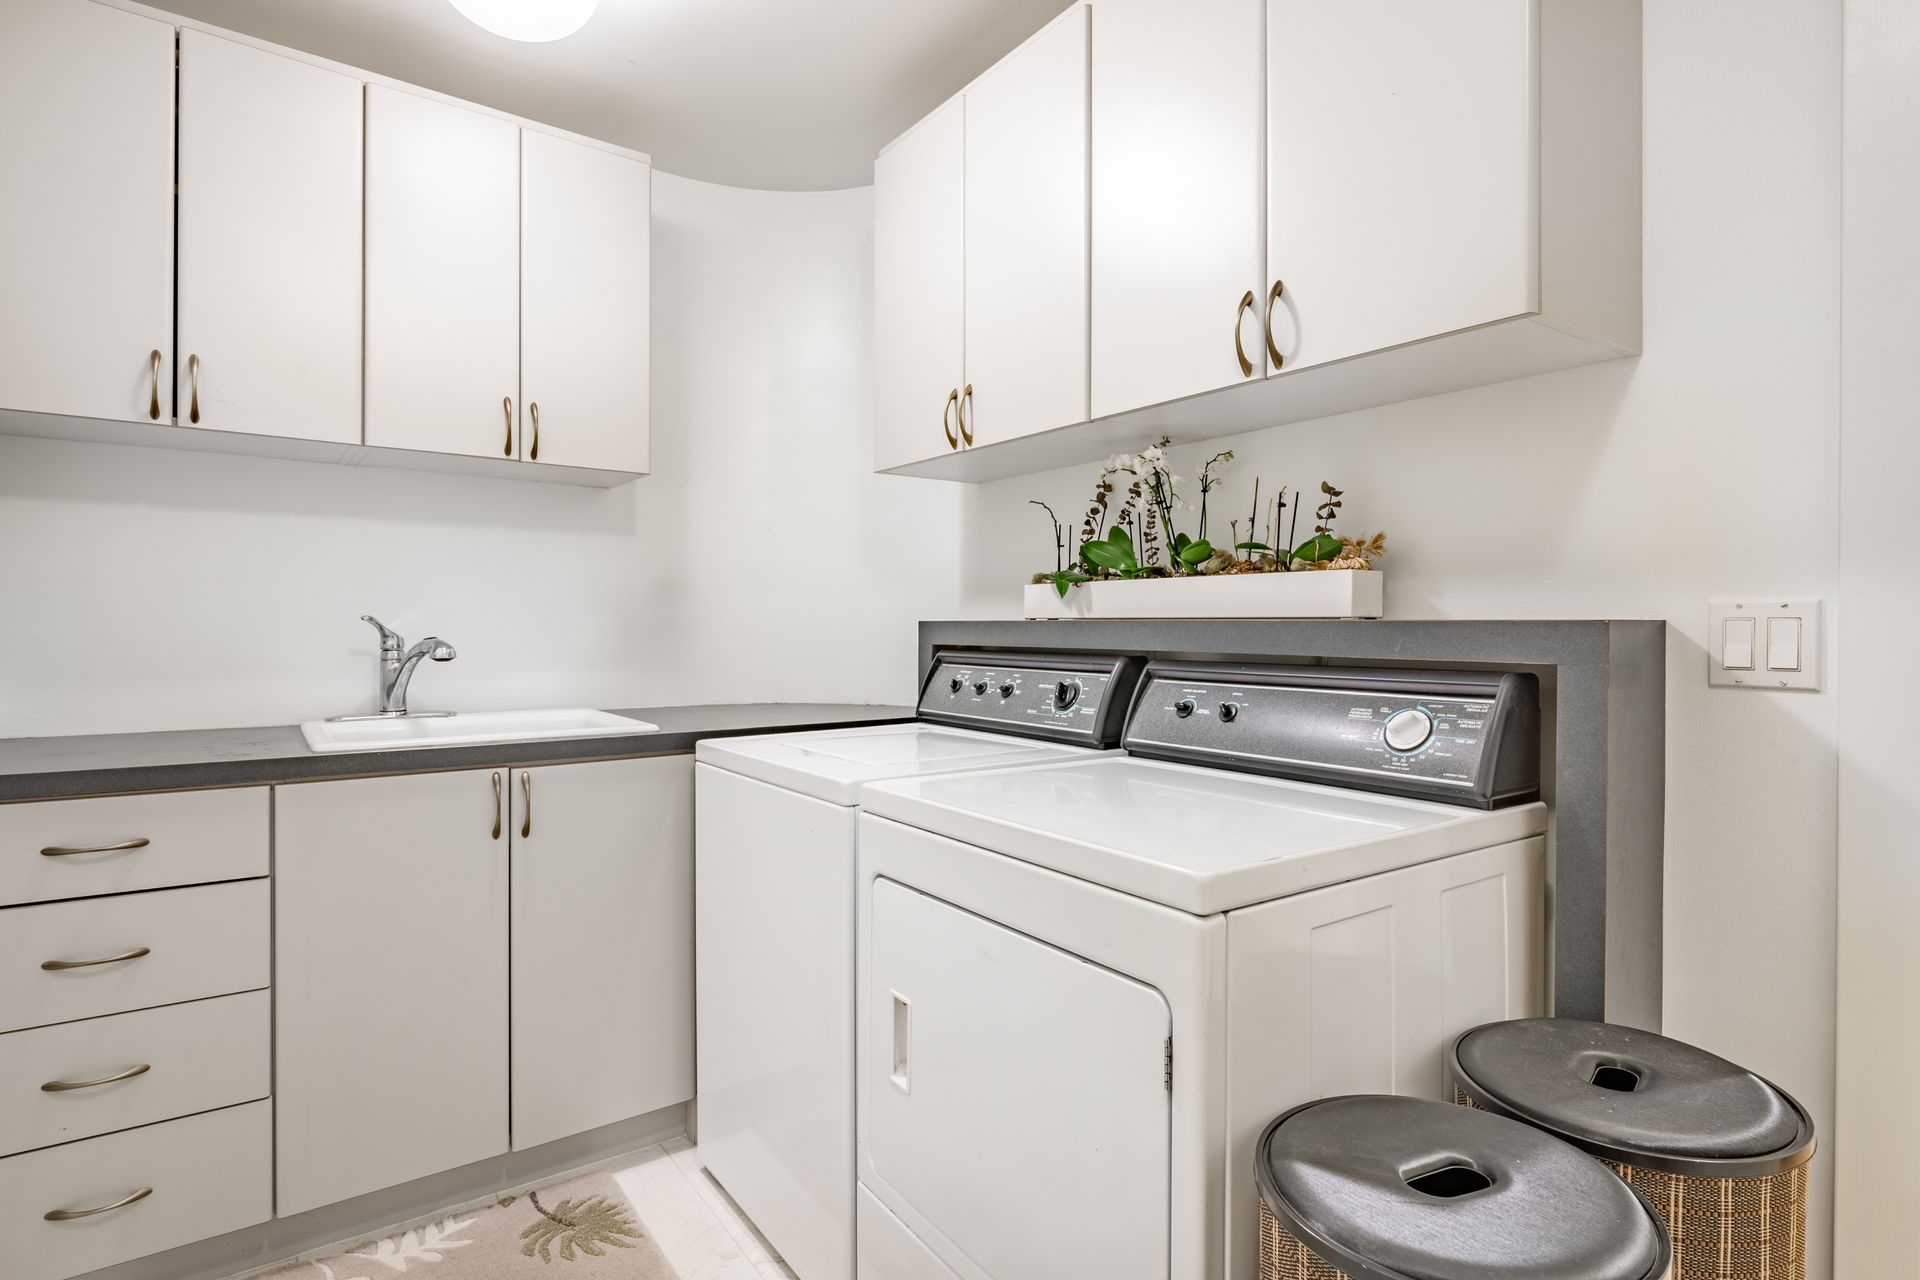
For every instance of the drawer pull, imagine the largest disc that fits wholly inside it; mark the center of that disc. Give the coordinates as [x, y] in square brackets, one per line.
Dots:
[68, 1215]
[68, 1086]
[62, 851]
[55, 966]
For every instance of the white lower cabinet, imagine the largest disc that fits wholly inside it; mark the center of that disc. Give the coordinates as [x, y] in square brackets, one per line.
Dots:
[602, 944]
[134, 1193]
[390, 947]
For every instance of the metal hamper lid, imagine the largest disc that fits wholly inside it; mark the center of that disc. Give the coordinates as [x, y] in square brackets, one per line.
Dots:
[1634, 1097]
[1389, 1188]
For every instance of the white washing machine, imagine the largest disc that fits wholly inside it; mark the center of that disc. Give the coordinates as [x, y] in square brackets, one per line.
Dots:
[1085, 987]
[774, 877]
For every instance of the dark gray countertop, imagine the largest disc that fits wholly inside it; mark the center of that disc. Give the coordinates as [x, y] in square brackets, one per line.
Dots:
[115, 763]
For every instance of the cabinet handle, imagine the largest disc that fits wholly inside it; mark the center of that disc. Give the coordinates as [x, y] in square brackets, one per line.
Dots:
[193, 380]
[496, 806]
[1273, 351]
[533, 454]
[63, 851]
[526, 810]
[946, 418]
[55, 966]
[966, 402]
[506, 403]
[1240, 314]
[68, 1215]
[153, 409]
[68, 1086]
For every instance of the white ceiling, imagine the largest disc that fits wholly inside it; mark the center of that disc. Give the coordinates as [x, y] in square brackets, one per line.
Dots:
[778, 94]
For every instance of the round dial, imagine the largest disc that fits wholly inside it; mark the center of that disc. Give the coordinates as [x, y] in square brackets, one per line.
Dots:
[1409, 730]
[1006, 690]
[979, 687]
[1184, 707]
[953, 685]
[1065, 694]
[1229, 712]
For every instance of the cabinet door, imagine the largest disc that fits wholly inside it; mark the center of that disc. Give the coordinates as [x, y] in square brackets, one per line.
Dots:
[1026, 236]
[1179, 227]
[1401, 174]
[585, 218]
[919, 289]
[86, 275]
[443, 277]
[270, 261]
[390, 1000]
[602, 944]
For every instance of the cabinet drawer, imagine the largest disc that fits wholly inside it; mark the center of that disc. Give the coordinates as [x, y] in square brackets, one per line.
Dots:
[204, 1176]
[183, 837]
[206, 941]
[198, 1056]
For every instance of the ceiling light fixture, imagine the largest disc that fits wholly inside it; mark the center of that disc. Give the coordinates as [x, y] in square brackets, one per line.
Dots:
[534, 21]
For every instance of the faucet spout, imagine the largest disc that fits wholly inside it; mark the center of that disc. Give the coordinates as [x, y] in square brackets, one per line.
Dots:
[394, 682]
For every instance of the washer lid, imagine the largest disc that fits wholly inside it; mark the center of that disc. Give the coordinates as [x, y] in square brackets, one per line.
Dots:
[833, 764]
[1394, 1188]
[1626, 1094]
[1201, 840]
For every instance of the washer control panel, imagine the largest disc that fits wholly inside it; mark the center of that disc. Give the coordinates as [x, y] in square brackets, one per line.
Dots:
[1468, 737]
[1055, 696]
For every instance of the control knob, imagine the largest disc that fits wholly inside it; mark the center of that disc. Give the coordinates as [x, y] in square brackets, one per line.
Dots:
[1229, 712]
[1006, 690]
[1408, 730]
[953, 685]
[1184, 707]
[979, 687]
[1065, 694]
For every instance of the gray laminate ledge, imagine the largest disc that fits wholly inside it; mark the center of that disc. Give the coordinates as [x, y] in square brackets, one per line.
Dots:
[122, 763]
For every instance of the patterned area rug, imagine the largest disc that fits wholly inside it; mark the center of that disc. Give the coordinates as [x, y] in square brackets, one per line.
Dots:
[579, 1230]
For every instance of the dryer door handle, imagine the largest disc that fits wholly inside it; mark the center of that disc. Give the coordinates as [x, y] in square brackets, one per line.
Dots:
[902, 1073]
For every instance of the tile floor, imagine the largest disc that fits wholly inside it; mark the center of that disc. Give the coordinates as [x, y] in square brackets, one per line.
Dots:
[695, 1223]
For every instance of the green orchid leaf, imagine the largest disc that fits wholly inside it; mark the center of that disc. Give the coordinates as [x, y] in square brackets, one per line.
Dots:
[1108, 555]
[1322, 546]
[1251, 546]
[1196, 553]
[1181, 542]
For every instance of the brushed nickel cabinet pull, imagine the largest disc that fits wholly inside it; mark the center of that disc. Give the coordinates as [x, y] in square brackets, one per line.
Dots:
[65, 851]
[1273, 300]
[55, 966]
[1246, 303]
[193, 380]
[966, 402]
[153, 409]
[533, 453]
[68, 1086]
[526, 809]
[946, 418]
[496, 806]
[506, 402]
[68, 1215]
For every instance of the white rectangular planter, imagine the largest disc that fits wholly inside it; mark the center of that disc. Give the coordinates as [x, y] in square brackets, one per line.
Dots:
[1307, 593]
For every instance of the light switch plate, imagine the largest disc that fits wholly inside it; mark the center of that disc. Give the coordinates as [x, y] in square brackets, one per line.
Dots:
[1761, 630]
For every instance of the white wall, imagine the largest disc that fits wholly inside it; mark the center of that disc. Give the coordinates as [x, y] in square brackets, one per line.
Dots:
[146, 589]
[1639, 489]
[1879, 1180]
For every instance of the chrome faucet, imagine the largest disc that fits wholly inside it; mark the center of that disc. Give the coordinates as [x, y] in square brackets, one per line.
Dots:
[397, 663]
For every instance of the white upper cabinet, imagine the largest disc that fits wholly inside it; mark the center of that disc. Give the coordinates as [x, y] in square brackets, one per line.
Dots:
[442, 277]
[1179, 237]
[86, 267]
[1401, 173]
[584, 305]
[1026, 237]
[602, 944]
[269, 245]
[919, 289]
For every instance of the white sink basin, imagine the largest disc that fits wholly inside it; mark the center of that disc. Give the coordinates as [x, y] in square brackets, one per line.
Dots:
[466, 728]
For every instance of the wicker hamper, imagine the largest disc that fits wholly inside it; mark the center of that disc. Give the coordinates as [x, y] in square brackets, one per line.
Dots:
[1721, 1154]
[1387, 1188]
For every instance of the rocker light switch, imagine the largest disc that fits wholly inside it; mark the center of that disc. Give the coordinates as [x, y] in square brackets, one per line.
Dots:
[1764, 642]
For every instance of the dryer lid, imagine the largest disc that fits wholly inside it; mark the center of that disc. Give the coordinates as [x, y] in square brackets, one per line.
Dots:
[834, 764]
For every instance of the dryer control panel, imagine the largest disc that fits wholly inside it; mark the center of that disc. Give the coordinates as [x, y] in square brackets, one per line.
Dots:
[1054, 696]
[1471, 738]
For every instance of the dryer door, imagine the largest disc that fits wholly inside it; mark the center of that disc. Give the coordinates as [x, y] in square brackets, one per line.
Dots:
[1016, 1096]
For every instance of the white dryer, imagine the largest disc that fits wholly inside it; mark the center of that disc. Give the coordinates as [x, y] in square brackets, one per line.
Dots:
[774, 877]
[1085, 987]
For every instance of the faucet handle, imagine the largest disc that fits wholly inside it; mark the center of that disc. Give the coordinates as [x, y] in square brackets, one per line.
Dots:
[390, 640]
